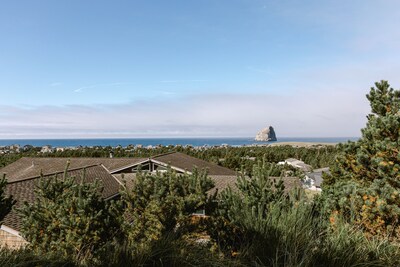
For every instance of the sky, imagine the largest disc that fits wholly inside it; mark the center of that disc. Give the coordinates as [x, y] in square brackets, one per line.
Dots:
[204, 68]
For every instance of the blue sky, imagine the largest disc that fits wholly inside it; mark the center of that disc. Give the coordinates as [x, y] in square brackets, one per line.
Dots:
[192, 68]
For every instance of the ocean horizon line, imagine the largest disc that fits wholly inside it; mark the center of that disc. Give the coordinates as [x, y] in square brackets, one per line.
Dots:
[152, 141]
[178, 137]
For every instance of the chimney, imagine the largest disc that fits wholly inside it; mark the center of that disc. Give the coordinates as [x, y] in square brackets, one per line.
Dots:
[111, 154]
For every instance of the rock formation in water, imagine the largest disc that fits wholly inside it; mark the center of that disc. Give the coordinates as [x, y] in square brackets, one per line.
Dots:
[266, 134]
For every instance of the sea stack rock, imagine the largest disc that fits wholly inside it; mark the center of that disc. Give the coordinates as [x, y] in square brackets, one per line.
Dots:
[266, 134]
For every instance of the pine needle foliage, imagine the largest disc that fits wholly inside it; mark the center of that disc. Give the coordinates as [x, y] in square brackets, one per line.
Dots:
[365, 181]
[163, 202]
[262, 225]
[69, 217]
[6, 202]
[242, 210]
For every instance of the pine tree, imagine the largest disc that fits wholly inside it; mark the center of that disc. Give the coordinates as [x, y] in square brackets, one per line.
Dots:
[158, 203]
[6, 203]
[69, 217]
[243, 211]
[365, 181]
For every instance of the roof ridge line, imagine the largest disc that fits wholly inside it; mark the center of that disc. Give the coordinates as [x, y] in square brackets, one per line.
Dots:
[54, 173]
[164, 154]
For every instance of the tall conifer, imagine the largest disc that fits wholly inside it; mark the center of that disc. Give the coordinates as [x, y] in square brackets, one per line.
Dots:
[365, 181]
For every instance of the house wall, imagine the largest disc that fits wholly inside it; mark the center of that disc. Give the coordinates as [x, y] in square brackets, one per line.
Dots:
[10, 240]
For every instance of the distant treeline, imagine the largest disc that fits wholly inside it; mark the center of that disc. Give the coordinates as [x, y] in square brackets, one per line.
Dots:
[236, 158]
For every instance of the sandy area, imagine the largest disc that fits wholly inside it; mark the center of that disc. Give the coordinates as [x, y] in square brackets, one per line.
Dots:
[302, 144]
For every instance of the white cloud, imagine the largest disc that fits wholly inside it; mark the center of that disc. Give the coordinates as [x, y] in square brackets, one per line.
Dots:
[81, 89]
[339, 113]
[324, 102]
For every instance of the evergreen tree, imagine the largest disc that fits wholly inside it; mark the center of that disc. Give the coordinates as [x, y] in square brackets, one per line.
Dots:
[69, 217]
[365, 180]
[158, 203]
[6, 203]
[242, 211]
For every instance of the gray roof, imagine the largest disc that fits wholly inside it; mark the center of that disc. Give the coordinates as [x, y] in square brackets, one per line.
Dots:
[299, 164]
[292, 160]
[222, 182]
[126, 179]
[316, 175]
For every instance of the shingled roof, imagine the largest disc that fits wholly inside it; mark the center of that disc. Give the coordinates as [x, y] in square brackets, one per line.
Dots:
[222, 182]
[23, 190]
[186, 162]
[289, 182]
[31, 167]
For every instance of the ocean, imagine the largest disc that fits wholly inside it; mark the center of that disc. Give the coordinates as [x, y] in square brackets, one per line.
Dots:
[166, 141]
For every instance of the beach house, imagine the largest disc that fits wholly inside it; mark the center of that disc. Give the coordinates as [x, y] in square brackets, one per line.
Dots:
[23, 174]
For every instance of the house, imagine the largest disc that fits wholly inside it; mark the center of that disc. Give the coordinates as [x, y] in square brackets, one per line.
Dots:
[15, 148]
[297, 164]
[313, 180]
[47, 149]
[25, 172]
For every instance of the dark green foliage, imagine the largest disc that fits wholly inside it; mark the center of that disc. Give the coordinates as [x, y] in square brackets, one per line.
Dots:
[157, 204]
[27, 258]
[233, 226]
[6, 203]
[169, 250]
[370, 167]
[69, 217]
